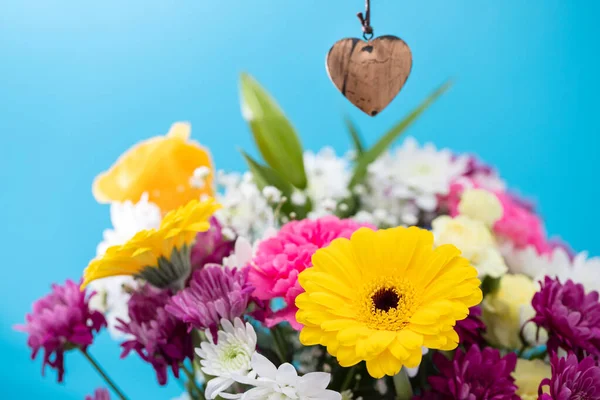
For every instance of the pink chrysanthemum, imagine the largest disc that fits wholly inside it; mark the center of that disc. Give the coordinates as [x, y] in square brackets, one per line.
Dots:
[572, 379]
[280, 259]
[211, 246]
[521, 225]
[61, 321]
[470, 330]
[473, 375]
[570, 315]
[158, 337]
[214, 292]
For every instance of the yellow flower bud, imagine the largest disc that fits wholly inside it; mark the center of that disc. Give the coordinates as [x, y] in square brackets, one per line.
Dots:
[502, 310]
[474, 240]
[528, 375]
[480, 205]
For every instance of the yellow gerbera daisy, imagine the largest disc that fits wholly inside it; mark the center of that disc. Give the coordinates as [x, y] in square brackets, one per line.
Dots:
[160, 256]
[382, 295]
[161, 167]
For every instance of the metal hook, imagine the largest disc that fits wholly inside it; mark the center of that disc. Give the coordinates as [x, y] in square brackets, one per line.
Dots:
[365, 21]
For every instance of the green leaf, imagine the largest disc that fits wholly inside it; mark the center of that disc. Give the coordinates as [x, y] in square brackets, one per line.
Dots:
[356, 139]
[273, 133]
[360, 171]
[265, 176]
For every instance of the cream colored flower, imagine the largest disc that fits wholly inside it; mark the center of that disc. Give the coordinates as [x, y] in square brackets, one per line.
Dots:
[475, 241]
[528, 375]
[502, 310]
[480, 205]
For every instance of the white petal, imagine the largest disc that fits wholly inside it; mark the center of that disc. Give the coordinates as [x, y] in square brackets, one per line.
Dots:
[312, 382]
[287, 375]
[216, 385]
[263, 367]
[227, 326]
[327, 395]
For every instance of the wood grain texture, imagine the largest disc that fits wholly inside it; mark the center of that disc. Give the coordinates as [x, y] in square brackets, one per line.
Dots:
[370, 74]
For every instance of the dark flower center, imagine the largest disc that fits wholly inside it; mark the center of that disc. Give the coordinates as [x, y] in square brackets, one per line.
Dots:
[385, 299]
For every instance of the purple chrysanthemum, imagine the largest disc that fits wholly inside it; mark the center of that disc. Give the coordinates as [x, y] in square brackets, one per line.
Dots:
[210, 246]
[99, 394]
[61, 321]
[470, 330]
[474, 375]
[214, 292]
[571, 317]
[158, 337]
[572, 379]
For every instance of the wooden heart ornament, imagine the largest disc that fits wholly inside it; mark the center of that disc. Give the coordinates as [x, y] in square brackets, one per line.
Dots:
[369, 74]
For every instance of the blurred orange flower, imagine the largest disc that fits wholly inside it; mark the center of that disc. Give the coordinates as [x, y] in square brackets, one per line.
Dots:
[163, 167]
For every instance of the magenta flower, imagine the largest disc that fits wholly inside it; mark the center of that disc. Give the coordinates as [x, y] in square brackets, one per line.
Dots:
[158, 337]
[214, 292]
[61, 321]
[211, 246]
[474, 375]
[571, 317]
[99, 394]
[572, 379]
[280, 259]
[470, 330]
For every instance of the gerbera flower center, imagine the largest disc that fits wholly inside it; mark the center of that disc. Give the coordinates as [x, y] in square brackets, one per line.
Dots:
[385, 299]
[387, 303]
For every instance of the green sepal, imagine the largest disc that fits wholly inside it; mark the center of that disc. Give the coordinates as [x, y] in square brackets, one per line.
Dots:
[273, 133]
[360, 170]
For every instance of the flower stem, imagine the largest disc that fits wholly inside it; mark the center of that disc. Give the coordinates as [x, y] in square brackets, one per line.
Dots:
[348, 378]
[192, 386]
[403, 387]
[103, 374]
[280, 346]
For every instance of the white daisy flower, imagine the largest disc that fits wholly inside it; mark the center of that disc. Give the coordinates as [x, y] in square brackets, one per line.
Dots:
[127, 219]
[412, 176]
[283, 383]
[230, 356]
[558, 263]
[328, 175]
[245, 210]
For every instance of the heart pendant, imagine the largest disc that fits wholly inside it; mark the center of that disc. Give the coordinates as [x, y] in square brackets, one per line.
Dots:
[369, 74]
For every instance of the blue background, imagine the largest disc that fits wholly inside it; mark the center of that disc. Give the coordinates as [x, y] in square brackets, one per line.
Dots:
[81, 81]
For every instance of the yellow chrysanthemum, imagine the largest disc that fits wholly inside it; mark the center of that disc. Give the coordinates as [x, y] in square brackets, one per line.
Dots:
[161, 167]
[528, 376]
[160, 256]
[382, 295]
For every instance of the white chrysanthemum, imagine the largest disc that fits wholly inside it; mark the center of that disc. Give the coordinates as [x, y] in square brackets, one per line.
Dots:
[245, 210]
[411, 176]
[474, 240]
[127, 219]
[230, 356]
[328, 175]
[283, 383]
[580, 269]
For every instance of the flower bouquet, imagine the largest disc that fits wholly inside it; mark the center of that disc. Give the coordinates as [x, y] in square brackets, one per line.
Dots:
[380, 274]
